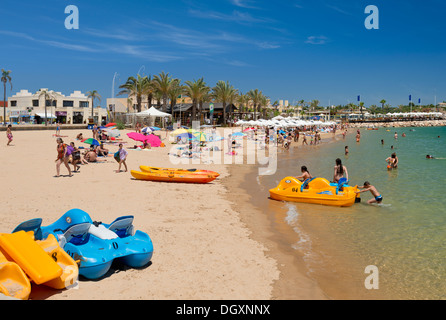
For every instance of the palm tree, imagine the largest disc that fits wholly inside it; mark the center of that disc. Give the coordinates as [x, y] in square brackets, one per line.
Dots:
[383, 102]
[135, 86]
[195, 90]
[175, 91]
[224, 92]
[148, 90]
[162, 84]
[93, 95]
[255, 96]
[5, 78]
[242, 101]
[264, 100]
[48, 96]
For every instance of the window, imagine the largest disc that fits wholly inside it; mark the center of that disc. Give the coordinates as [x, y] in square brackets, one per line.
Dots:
[35, 103]
[68, 103]
[13, 103]
[50, 103]
[83, 104]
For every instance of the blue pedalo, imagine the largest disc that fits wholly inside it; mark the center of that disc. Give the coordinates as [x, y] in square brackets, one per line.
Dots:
[96, 245]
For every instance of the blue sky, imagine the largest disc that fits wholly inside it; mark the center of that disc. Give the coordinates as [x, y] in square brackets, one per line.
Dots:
[289, 49]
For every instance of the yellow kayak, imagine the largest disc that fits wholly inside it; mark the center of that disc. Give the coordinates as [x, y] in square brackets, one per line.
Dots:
[172, 176]
[317, 191]
[178, 171]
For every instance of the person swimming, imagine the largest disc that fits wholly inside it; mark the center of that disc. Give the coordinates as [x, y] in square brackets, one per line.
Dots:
[428, 156]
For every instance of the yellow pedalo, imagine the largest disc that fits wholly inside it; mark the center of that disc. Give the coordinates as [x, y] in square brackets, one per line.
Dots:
[316, 190]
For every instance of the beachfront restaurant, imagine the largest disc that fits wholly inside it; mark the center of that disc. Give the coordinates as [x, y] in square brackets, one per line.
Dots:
[183, 112]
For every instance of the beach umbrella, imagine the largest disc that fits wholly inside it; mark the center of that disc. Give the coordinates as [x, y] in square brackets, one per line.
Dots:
[147, 129]
[248, 129]
[187, 136]
[193, 131]
[200, 136]
[137, 136]
[212, 138]
[178, 132]
[154, 141]
[155, 128]
[91, 141]
[113, 133]
[111, 124]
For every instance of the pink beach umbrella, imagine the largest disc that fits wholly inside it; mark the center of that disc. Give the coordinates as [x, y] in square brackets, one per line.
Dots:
[154, 141]
[137, 136]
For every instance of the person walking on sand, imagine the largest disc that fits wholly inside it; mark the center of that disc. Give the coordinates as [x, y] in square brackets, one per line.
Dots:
[304, 139]
[122, 158]
[63, 156]
[9, 134]
[368, 187]
[340, 171]
[57, 129]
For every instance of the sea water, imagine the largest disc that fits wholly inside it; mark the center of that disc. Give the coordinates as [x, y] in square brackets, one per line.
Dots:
[404, 237]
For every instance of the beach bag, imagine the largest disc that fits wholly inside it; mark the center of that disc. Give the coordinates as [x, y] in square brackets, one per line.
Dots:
[116, 156]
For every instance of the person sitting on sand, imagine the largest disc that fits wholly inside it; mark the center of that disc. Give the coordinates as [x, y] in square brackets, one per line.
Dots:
[80, 136]
[91, 155]
[368, 187]
[101, 151]
[340, 171]
[305, 174]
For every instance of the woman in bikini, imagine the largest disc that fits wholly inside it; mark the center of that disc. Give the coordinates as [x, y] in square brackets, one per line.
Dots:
[340, 171]
[9, 134]
[62, 157]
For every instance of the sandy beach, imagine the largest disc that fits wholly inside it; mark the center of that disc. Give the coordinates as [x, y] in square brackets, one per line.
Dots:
[202, 249]
[210, 241]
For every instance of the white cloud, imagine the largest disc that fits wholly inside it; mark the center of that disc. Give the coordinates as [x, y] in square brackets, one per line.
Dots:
[236, 16]
[317, 40]
[243, 4]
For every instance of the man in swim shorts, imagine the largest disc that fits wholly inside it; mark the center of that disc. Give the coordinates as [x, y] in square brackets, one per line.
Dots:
[368, 187]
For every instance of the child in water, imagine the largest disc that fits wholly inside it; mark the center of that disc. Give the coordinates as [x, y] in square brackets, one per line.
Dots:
[368, 187]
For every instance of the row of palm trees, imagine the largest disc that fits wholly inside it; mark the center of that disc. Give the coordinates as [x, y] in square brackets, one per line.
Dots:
[163, 87]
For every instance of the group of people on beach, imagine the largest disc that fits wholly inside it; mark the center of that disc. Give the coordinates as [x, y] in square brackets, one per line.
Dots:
[69, 154]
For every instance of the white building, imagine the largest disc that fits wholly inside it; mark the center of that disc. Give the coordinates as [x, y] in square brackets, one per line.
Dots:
[25, 106]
